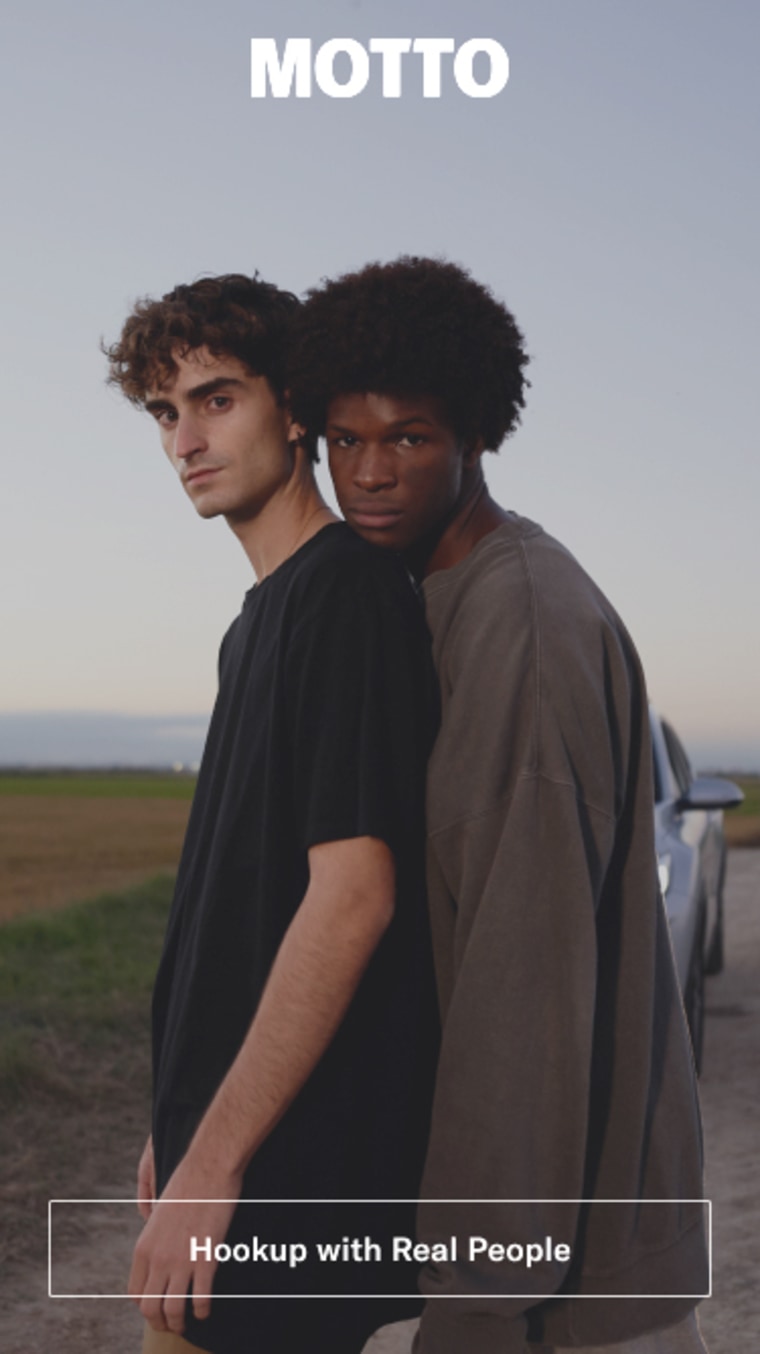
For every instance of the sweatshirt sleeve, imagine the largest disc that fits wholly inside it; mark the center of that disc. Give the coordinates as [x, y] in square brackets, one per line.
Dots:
[509, 1118]
[521, 836]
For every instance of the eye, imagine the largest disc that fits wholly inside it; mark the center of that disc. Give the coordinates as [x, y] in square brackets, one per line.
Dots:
[220, 401]
[345, 440]
[411, 440]
[165, 418]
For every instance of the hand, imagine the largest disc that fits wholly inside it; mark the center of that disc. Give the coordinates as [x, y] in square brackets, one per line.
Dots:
[146, 1181]
[162, 1271]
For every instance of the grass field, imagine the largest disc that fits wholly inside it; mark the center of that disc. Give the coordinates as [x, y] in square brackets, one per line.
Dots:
[743, 823]
[74, 1055]
[70, 836]
[75, 983]
[751, 806]
[99, 785]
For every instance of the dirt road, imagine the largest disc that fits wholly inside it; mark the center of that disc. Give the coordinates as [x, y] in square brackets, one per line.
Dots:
[731, 1105]
[731, 1110]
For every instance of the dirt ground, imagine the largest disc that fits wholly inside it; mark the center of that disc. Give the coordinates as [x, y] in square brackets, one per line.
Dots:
[731, 1110]
[55, 850]
[32, 1322]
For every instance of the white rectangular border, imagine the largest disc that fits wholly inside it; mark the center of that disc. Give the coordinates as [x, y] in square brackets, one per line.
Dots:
[290, 1297]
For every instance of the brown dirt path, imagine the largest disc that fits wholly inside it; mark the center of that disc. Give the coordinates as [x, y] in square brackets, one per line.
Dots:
[731, 1111]
[56, 850]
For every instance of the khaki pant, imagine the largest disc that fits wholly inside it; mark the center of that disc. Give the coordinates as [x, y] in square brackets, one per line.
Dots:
[163, 1342]
[682, 1338]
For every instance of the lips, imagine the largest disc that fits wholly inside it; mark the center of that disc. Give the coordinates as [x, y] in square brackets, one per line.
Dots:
[375, 516]
[203, 473]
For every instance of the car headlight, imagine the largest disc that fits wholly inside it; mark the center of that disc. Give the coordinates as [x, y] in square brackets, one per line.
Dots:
[664, 863]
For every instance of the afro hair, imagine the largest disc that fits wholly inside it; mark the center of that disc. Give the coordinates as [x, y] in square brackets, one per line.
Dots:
[413, 327]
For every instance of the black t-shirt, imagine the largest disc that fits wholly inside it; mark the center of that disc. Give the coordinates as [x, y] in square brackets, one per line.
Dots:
[326, 711]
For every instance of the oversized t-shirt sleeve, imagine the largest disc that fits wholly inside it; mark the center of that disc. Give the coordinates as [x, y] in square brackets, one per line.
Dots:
[362, 705]
[518, 854]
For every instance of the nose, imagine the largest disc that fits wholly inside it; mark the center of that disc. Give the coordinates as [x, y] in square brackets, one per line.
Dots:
[188, 436]
[375, 468]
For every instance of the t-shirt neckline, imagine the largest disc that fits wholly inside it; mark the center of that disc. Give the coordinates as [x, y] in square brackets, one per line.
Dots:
[296, 555]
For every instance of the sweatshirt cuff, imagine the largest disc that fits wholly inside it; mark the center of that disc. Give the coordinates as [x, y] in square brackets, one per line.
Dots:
[443, 1332]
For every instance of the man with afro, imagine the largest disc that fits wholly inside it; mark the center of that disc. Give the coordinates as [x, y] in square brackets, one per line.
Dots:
[566, 1076]
[295, 1028]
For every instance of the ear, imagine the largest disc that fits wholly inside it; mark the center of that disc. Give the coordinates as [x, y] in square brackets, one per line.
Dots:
[296, 432]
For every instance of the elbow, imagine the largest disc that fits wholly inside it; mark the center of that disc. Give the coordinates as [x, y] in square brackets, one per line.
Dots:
[368, 911]
[383, 910]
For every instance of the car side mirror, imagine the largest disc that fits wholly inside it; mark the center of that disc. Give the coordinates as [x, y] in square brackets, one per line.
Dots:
[710, 792]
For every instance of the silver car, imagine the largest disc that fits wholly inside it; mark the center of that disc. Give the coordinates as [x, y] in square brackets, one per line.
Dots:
[691, 853]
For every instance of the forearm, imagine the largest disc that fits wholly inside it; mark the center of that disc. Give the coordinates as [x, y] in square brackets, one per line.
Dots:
[313, 979]
[346, 909]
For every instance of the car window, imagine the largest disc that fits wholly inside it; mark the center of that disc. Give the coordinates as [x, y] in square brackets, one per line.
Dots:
[677, 757]
[659, 758]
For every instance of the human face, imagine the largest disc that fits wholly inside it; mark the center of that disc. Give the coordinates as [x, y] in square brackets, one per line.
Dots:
[224, 433]
[398, 467]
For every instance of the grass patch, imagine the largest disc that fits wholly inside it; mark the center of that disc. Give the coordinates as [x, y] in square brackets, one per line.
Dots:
[75, 990]
[750, 808]
[80, 962]
[742, 824]
[100, 785]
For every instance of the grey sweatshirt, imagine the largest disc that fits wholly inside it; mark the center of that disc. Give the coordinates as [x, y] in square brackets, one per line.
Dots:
[566, 1070]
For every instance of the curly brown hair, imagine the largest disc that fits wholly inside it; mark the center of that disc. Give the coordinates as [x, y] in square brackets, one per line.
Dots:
[416, 326]
[231, 315]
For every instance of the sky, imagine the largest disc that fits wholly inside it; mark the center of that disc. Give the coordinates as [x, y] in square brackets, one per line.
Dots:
[609, 195]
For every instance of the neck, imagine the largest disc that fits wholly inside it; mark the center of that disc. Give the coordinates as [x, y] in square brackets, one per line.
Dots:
[475, 515]
[294, 514]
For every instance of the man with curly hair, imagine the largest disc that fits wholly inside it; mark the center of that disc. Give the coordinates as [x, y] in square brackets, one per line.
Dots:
[294, 1011]
[565, 1071]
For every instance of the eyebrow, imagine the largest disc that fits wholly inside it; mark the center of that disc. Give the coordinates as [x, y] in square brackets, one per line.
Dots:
[196, 393]
[392, 427]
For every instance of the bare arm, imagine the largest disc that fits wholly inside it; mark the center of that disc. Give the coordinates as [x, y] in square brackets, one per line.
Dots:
[345, 911]
[146, 1180]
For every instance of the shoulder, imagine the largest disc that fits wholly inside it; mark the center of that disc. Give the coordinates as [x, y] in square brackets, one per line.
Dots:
[341, 571]
[344, 597]
[582, 642]
[492, 579]
[482, 610]
[520, 581]
[563, 588]
[534, 662]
